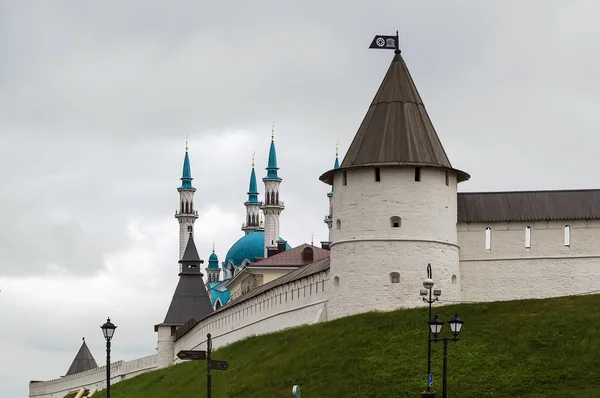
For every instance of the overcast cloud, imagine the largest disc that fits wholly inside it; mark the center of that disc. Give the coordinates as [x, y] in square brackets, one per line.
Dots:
[96, 99]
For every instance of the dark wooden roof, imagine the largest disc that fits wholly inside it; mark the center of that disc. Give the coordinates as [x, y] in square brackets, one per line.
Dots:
[84, 360]
[579, 204]
[396, 130]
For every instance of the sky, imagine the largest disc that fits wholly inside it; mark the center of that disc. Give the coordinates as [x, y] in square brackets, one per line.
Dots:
[97, 98]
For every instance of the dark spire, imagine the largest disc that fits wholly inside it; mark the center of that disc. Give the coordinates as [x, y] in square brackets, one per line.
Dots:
[396, 131]
[84, 360]
[190, 299]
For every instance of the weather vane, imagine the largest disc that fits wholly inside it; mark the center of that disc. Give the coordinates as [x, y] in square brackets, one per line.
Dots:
[386, 43]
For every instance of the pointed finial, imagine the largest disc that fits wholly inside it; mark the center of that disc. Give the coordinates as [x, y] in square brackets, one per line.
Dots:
[273, 132]
[83, 339]
[186, 142]
[337, 149]
[213, 246]
[312, 239]
[260, 225]
[253, 153]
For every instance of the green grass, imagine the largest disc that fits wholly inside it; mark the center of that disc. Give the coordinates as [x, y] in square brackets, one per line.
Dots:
[529, 348]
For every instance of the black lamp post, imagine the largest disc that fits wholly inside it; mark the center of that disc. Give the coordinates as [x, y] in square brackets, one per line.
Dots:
[435, 328]
[428, 285]
[108, 329]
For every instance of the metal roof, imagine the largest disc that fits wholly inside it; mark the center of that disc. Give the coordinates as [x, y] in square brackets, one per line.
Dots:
[578, 204]
[291, 258]
[84, 360]
[396, 130]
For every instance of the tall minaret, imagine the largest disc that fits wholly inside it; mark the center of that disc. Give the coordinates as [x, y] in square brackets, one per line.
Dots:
[272, 206]
[329, 215]
[186, 215]
[252, 205]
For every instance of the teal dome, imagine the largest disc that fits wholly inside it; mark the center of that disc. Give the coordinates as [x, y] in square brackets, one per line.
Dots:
[248, 247]
[213, 261]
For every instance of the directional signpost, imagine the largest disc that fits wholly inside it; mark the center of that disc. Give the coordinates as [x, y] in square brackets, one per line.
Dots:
[196, 355]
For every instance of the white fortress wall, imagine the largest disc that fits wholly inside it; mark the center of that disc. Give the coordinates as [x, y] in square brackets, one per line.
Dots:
[92, 379]
[296, 303]
[557, 263]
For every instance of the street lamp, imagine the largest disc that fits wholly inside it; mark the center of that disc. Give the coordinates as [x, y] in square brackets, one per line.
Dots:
[428, 285]
[108, 329]
[435, 328]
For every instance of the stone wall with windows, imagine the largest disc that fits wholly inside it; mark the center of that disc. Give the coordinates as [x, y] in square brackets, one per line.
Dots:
[537, 259]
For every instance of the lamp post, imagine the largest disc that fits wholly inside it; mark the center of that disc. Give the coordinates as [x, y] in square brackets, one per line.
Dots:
[108, 329]
[428, 285]
[435, 328]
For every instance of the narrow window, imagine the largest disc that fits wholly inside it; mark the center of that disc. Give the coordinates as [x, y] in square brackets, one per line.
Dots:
[567, 236]
[488, 238]
[528, 237]
[395, 221]
[394, 277]
[454, 279]
[377, 174]
[417, 174]
[447, 178]
[345, 176]
[338, 225]
[336, 281]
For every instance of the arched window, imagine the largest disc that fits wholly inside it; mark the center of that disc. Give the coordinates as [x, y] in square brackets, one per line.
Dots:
[191, 207]
[528, 237]
[417, 174]
[307, 254]
[567, 236]
[336, 281]
[345, 179]
[395, 222]
[377, 174]
[217, 304]
[338, 225]
[182, 208]
[394, 277]
[488, 238]
[454, 279]
[277, 197]
[187, 207]
[447, 178]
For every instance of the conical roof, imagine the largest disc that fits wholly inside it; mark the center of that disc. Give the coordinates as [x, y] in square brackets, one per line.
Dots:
[190, 299]
[396, 130]
[84, 360]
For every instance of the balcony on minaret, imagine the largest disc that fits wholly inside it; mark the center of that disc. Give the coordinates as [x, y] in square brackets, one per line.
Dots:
[192, 213]
[328, 218]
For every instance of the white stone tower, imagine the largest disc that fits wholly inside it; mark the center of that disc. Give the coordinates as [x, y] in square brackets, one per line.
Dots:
[252, 205]
[272, 206]
[186, 215]
[394, 206]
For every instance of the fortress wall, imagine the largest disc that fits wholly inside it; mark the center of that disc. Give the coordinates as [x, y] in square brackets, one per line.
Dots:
[92, 379]
[297, 303]
[549, 268]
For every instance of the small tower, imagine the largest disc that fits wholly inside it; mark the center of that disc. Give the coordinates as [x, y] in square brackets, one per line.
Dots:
[252, 205]
[395, 204]
[84, 360]
[186, 215]
[329, 216]
[213, 269]
[272, 206]
[190, 301]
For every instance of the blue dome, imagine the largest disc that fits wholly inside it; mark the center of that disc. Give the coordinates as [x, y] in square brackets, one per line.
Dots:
[213, 261]
[248, 247]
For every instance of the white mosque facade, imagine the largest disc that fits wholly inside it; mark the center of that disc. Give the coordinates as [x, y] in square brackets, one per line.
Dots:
[394, 207]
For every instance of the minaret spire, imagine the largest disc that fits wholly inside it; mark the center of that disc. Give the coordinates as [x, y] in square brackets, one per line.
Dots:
[272, 206]
[186, 215]
[252, 204]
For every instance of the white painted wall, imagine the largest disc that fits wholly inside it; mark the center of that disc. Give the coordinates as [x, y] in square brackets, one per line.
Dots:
[91, 379]
[297, 303]
[366, 249]
[510, 271]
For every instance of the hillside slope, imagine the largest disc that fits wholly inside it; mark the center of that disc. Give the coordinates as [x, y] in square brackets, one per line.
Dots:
[530, 348]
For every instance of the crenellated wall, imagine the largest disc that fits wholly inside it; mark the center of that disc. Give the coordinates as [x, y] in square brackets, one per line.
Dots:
[92, 379]
[296, 303]
[553, 265]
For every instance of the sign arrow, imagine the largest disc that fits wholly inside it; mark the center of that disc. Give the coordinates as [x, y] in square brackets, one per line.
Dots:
[192, 355]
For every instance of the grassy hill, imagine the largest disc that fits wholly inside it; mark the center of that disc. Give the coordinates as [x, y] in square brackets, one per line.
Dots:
[529, 348]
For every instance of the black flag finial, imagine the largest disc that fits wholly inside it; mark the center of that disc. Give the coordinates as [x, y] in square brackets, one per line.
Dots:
[386, 43]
